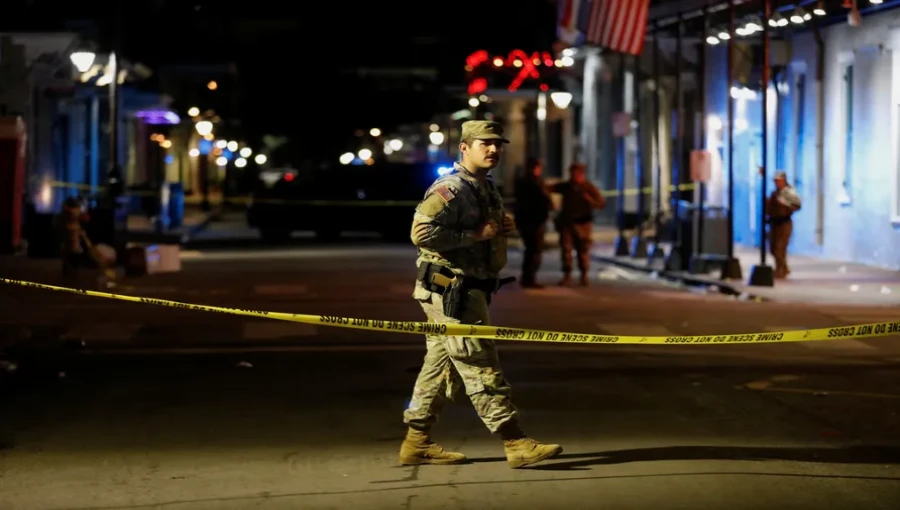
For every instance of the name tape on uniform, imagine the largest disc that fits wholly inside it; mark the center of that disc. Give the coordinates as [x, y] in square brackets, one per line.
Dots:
[877, 329]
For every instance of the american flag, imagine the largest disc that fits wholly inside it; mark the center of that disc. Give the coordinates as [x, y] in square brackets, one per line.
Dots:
[618, 25]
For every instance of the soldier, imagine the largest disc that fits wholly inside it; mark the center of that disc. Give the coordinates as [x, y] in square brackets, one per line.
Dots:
[575, 220]
[460, 231]
[533, 206]
[781, 204]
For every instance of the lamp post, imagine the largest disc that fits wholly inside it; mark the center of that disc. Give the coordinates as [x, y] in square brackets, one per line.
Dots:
[638, 243]
[675, 261]
[762, 274]
[657, 255]
[114, 177]
[731, 270]
[204, 128]
[561, 100]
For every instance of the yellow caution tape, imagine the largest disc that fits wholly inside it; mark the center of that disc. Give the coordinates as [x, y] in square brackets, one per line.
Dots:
[877, 329]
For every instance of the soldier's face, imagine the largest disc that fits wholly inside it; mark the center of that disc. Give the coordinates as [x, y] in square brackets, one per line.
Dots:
[484, 154]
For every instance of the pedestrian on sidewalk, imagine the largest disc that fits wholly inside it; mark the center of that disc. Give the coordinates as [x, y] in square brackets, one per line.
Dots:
[575, 220]
[459, 229]
[532, 210]
[780, 206]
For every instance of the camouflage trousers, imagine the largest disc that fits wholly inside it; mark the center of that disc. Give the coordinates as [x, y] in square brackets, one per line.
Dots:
[458, 363]
[577, 237]
[779, 239]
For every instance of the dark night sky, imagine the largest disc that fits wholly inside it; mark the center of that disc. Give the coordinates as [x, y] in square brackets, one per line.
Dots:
[290, 55]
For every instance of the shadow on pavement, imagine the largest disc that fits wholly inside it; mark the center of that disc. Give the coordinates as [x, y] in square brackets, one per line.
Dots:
[845, 455]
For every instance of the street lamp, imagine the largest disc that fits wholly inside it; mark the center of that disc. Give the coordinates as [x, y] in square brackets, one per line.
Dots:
[260, 159]
[193, 111]
[436, 137]
[561, 99]
[204, 127]
[82, 60]
[364, 154]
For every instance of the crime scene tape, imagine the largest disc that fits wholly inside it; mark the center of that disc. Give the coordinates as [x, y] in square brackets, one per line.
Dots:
[877, 329]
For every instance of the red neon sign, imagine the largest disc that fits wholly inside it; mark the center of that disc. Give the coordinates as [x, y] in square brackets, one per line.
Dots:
[527, 66]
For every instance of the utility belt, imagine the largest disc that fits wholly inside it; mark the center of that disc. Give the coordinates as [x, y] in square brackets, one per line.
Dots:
[454, 287]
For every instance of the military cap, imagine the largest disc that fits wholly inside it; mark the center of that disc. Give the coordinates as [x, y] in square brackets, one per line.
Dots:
[483, 130]
[780, 175]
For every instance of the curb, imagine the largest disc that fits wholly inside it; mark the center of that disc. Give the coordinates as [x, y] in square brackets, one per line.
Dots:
[678, 276]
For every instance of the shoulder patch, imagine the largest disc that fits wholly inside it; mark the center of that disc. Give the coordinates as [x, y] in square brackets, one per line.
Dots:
[445, 193]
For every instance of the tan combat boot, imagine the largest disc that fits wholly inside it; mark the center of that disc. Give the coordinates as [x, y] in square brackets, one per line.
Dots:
[418, 448]
[522, 450]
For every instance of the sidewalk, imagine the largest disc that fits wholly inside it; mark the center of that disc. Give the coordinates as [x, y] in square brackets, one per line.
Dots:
[812, 280]
[143, 229]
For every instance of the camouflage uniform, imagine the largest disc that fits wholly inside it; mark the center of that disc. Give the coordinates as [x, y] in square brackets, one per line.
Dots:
[474, 361]
[444, 228]
[575, 224]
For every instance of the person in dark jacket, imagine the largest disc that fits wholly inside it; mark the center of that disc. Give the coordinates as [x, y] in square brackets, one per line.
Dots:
[533, 206]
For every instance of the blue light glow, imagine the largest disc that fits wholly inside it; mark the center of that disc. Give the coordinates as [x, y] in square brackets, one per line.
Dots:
[205, 146]
[444, 170]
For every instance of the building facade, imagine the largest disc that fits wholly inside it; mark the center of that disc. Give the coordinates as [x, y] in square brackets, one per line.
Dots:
[835, 137]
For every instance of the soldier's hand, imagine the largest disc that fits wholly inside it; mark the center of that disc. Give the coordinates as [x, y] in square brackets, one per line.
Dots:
[508, 224]
[487, 231]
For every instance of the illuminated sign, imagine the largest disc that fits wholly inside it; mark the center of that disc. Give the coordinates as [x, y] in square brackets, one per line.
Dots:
[521, 66]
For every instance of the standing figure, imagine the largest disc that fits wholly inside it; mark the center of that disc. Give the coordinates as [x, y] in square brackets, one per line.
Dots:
[575, 220]
[533, 206]
[780, 206]
[72, 231]
[460, 231]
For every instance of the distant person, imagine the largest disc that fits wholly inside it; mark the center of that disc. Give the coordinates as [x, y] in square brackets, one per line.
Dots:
[533, 206]
[460, 230]
[780, 206]
[575, 221]
[71, 232]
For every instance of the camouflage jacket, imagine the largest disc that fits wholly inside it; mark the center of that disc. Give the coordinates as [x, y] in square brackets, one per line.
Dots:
[446, 219]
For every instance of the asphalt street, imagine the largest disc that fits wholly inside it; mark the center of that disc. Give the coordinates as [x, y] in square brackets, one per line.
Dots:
[119, 405]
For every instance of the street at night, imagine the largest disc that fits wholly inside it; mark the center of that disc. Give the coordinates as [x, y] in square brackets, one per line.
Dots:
[245, 266]
[140, 406]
